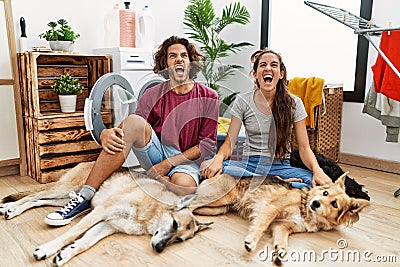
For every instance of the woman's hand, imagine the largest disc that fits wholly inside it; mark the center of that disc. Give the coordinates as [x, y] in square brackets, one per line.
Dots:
[320, 178]
[111, 140]
[211, 167]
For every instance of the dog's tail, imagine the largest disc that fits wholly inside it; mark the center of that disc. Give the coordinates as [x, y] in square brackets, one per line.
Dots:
[15, 197]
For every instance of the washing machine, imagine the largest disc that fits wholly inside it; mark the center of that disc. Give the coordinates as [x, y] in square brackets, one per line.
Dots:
[119, 92]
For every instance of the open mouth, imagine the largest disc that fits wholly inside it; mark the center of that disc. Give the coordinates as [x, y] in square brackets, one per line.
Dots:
[179, 69]
[267, 78]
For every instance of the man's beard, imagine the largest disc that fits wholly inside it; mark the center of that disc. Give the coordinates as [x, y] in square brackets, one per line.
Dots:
[180, 78]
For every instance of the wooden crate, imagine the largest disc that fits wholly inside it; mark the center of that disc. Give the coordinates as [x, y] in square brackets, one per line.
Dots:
[38, 71]
[57, 141]
[325, 137]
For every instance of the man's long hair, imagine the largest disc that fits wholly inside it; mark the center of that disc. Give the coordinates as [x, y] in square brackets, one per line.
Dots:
[160, 57]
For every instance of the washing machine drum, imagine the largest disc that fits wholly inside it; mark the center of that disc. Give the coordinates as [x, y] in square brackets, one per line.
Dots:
[112, 99]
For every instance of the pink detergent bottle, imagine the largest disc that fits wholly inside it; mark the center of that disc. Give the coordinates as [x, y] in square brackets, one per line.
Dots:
[127, 19]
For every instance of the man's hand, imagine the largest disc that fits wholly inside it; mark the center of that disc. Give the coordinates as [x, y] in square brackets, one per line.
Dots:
[160, 169]
[111, 140]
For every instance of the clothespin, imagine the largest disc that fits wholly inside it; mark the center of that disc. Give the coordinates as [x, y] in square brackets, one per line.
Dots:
[390, 26]
[369, 24]
[345, 16]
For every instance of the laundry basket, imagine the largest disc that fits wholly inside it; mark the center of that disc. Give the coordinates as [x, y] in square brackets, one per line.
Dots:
[325, 137]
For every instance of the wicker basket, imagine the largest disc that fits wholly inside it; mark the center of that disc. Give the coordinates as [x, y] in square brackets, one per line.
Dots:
[325, 137]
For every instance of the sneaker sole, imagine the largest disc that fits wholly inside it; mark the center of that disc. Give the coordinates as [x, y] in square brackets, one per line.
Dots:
[52, 222]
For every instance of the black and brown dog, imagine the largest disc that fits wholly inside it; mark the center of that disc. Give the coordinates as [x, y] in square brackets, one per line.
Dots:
[333, 170]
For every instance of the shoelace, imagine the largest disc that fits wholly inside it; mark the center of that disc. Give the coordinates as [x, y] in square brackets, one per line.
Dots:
[75, 200]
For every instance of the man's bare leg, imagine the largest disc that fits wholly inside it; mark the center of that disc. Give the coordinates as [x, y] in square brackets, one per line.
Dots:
[137, 132]
[180, 183]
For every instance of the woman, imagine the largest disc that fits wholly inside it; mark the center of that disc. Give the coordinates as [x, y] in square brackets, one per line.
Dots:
[268, 113]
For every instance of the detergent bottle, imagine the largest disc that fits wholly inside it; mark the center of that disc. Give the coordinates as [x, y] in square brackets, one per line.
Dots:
[127, 22]
[146, 31]
[111, 27]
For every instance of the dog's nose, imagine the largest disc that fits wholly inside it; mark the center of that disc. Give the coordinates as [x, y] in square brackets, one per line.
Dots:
[315, 204]
[159, 247]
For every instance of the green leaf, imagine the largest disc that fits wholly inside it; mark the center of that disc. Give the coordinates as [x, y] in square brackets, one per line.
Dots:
[62, 33]
[204, 27]
[234, 13]
[67, 85]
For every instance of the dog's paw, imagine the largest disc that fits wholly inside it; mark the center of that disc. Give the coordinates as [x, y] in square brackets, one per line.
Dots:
[11, 213]
[58, 260]
[9, 210]
[44, 251]
[278, 256]
[3, 208]
[64, 256]
[249, 246]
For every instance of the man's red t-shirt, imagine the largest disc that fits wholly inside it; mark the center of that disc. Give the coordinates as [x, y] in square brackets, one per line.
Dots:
[182, 120]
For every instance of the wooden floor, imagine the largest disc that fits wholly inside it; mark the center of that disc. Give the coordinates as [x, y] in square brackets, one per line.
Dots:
[375, 238]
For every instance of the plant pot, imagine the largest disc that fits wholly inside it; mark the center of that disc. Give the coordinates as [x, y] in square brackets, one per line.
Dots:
[65, 46]
[67, 103]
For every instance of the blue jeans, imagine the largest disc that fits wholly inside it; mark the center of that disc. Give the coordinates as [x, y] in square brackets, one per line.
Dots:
[261, 165]
[155, 152]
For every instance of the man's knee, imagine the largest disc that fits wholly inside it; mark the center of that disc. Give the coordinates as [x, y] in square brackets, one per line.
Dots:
[136, 130]
[133, 121]
[183, 179]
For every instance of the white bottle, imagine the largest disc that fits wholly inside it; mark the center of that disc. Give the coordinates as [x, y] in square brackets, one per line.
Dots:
[146, 29]
[111, 27]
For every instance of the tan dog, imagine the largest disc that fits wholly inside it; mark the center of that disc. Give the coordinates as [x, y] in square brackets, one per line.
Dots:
[118, 207]
[276, 206]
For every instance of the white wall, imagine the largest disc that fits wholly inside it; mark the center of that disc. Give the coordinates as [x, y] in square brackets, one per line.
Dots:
[8, 136]
[87, 19]
[361, 134]
[313, 44]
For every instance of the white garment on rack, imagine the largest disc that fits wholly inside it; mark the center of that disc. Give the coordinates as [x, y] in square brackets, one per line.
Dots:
[387, 106]
[386, 110]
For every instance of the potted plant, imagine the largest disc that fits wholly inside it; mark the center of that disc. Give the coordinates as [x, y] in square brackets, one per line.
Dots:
[205, 28]
[67, 88]
[60, 36]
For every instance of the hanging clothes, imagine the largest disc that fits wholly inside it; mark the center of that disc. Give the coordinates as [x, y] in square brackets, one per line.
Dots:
[310, 92]
[386, 110]
[386, 80]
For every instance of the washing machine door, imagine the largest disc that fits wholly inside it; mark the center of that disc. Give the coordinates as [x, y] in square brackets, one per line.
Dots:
[145, 82]
[111, 100]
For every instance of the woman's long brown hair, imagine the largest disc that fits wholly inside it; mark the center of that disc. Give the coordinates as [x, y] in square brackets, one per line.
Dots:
[282, 109]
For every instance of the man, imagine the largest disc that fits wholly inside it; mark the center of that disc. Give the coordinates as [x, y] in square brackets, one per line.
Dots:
[172, 131]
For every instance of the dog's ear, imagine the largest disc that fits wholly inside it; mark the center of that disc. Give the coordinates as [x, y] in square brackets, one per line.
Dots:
[201, 226]
[349, 214]
[341, 179]
[185, 201]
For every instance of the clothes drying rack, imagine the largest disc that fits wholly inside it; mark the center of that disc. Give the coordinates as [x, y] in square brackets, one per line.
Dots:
[360, 26]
